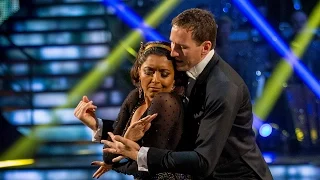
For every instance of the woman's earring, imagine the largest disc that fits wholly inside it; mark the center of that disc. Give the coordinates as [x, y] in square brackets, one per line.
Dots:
[173, 87]
[140, 92]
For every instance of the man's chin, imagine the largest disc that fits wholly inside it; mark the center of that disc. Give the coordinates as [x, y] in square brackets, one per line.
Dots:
[182, 68]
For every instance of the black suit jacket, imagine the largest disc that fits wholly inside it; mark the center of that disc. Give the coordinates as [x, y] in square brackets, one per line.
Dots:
[218, 130]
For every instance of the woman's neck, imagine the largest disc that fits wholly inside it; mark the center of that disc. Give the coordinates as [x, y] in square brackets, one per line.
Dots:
[147, 101]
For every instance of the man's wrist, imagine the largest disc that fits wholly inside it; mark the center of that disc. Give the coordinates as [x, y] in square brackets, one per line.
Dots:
[142, 159]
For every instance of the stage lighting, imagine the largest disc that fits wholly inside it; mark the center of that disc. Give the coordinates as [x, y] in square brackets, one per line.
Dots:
[7, 8]
[265, 130]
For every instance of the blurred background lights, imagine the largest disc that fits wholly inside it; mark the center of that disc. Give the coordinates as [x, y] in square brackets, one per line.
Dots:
[265, 130]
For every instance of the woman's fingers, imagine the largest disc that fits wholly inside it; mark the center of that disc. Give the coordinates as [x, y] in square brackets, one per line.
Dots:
[95, 174]
[102, 169]
[149, 118]
[97, 163]
[147, 127]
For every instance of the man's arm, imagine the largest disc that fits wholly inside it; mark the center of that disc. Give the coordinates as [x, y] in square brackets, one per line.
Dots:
[220, 112]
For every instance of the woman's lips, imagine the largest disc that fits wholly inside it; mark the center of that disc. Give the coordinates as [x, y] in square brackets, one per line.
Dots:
[154, 89]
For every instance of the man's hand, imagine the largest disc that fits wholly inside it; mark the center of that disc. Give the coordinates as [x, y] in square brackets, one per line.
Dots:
[102, 169]
[123, 146]
[137, 130]
[85, 112]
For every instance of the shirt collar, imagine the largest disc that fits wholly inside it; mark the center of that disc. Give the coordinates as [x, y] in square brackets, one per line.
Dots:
[197, 69]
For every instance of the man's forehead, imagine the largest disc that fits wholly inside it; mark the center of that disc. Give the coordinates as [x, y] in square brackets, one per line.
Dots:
[178, 35]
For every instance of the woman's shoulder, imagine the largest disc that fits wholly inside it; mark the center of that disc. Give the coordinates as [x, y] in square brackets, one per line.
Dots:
[167, 96]
[133, 95]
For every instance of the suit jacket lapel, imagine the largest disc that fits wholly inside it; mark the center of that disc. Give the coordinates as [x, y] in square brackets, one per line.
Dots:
[203, 76]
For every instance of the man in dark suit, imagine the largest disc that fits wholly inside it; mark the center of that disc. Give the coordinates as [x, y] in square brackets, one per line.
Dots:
[219, 112]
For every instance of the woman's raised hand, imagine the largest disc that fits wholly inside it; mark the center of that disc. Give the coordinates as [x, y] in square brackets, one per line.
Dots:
[85, 112]
[137, 129]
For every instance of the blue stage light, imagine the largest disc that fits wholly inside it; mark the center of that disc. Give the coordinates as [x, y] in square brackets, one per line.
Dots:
[134, 20]
[269, 157]
[265, 130]
[265, 29]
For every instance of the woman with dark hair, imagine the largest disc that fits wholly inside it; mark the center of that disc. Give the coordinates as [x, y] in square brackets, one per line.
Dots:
[155, 97]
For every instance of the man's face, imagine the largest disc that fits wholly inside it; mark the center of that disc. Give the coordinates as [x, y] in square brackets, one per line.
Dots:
[185, 49]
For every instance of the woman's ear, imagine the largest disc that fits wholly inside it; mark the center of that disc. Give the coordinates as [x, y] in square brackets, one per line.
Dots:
[173, 85]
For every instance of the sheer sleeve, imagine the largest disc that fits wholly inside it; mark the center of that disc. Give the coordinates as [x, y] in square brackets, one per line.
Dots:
[166, 128]
[130, 167]
[121, 121]
[165, 132]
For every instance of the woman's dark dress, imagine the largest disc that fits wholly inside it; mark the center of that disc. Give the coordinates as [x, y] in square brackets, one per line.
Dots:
[165, 131]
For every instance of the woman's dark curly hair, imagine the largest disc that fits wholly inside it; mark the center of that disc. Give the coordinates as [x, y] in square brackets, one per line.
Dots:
[160, 48]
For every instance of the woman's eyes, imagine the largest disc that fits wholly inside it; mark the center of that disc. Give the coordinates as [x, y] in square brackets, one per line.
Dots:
[151, 72]
[148, 72]
[165, 74]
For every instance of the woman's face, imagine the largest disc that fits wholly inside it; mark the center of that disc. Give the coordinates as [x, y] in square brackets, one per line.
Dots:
[156, 75]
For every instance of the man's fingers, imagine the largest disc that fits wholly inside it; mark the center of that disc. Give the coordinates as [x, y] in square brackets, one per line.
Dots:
[117, 159]
[108, 143]
[120, 139]
[111, 135]
[110, 150]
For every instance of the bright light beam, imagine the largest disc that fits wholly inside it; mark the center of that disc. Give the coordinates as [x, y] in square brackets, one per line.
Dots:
[262, 107]
[26, 147]
[132, 19]
[16, 162]
[113, 61]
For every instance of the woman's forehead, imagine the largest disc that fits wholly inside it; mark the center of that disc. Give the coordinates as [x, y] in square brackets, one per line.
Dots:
[157, 61]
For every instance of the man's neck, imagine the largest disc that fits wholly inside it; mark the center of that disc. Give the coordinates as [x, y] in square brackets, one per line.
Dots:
[198, 68]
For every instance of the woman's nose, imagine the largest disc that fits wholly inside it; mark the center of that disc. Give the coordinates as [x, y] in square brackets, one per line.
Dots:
[156, 77]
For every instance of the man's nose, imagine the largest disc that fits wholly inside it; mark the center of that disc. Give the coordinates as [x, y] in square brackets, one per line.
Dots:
[174, 53]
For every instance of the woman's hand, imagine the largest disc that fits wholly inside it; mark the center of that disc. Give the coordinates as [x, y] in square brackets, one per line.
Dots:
[102, 169]
[85, 112]
[137, 129]
[122, 146]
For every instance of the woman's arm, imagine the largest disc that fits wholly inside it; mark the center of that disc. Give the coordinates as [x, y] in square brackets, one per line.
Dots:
[121, 121]
[166, 128]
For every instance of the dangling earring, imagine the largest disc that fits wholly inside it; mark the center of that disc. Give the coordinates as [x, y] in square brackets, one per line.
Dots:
[173, 87]
[140, 92]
